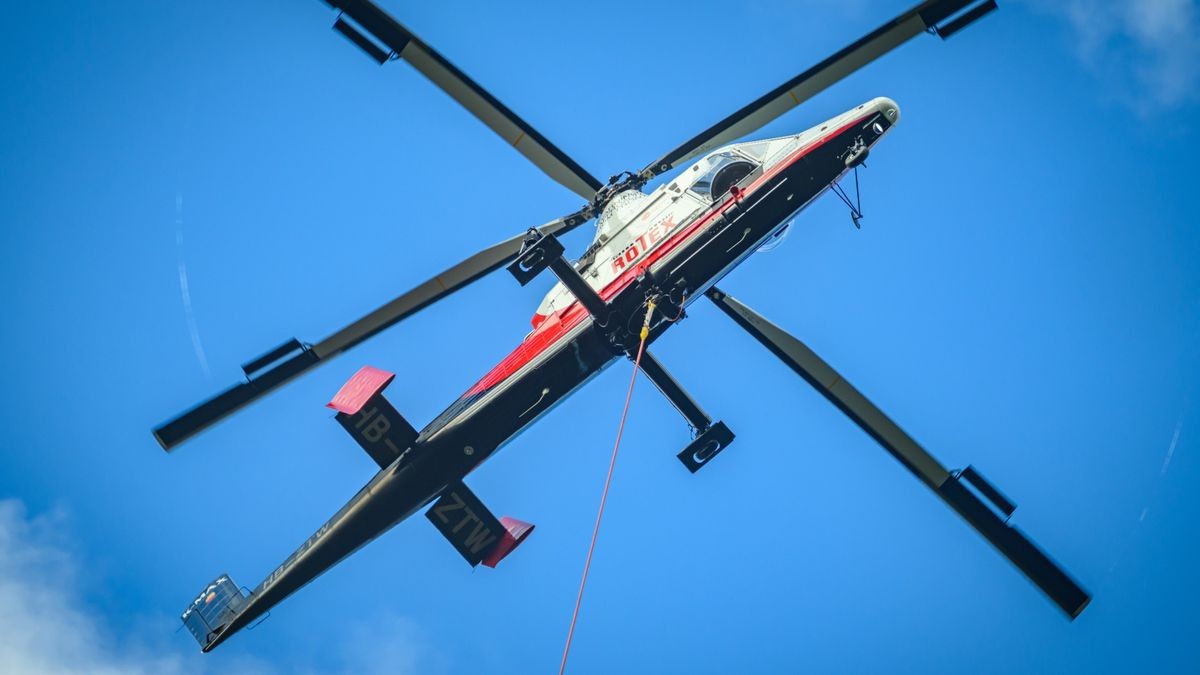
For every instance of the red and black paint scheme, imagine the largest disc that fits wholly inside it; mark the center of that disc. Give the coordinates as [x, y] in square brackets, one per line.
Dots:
[561, 354]
[667, 264]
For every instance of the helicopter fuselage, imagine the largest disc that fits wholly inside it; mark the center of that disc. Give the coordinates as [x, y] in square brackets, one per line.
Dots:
[669, 248]
[673, 244]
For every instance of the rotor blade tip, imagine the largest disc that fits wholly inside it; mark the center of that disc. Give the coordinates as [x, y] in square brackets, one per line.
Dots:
[161, 442]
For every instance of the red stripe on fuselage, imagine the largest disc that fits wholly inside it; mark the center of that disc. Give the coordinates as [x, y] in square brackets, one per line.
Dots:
[558, 324]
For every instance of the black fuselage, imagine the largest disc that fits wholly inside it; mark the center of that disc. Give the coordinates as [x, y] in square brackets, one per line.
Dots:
[485, 419]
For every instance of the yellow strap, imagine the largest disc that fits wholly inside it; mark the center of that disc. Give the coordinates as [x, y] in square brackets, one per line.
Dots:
[646, 323]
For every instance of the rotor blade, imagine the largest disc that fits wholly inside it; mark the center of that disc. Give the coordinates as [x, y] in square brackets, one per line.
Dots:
[1010, 541]
[512, 129]
[183, 427]
[811, 82]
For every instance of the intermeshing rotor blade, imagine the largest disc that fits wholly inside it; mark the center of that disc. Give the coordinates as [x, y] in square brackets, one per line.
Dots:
[950, 487]
[183, 427]
[813, 81]
[400, 42]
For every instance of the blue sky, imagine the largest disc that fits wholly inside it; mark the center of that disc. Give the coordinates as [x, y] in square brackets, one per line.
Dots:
[187, 184]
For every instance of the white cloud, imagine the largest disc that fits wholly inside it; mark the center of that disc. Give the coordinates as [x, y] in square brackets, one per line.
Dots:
[48, 628]
[1148, 50]
[365, 652]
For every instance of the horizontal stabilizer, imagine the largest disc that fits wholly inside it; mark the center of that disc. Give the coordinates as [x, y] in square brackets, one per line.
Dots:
[216, 606]
[371, 419]
[516, 533]
[472, 530]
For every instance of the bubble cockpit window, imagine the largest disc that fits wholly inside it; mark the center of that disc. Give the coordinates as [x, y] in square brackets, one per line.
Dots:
[714, 175]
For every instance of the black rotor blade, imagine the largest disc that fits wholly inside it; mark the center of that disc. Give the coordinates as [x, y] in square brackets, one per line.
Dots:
[950, 487]
[400, 42]
[183, 427]
[811, 82]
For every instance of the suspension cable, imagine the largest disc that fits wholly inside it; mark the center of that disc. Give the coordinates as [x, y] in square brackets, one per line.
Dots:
[637, 362]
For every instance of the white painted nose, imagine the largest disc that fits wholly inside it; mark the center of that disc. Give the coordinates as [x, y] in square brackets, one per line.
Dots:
[888, 107]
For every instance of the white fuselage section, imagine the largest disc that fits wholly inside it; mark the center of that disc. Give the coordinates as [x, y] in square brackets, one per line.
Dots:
[635, 223]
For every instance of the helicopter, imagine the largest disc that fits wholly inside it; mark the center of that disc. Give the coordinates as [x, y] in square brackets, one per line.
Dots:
[652, 255]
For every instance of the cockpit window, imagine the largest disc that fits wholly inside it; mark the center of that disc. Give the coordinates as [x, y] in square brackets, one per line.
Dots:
[755, 151]
[718, 172]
